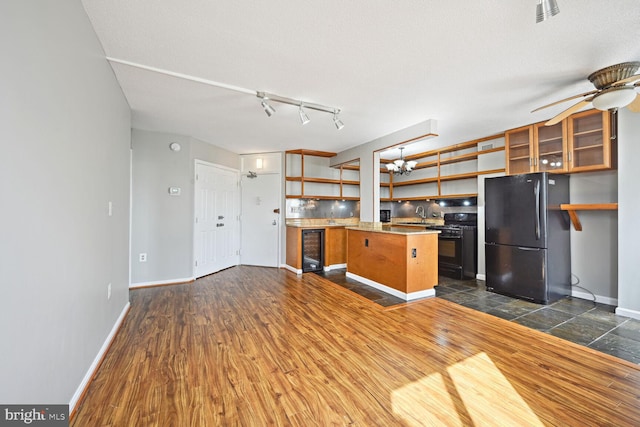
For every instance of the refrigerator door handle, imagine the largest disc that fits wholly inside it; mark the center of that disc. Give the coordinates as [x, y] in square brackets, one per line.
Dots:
[528, 249]
[536, 192]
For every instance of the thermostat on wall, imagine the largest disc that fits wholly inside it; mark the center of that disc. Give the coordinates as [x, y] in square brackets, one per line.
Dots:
[174, 191]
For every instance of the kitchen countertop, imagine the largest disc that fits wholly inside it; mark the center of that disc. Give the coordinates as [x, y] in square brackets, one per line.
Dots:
[321, 222]
[395, 230]
[317, 225]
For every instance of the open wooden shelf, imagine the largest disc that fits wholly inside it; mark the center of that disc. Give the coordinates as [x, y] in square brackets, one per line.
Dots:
[304, 179]
[444, 196]
[573, 208]
[435, 159]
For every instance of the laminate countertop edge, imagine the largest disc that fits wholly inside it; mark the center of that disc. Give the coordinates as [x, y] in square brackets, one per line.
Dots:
[406, 231]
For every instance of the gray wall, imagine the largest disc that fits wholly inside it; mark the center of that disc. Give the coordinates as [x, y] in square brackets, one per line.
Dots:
[162, 224]
[629, 206]
[594, 252]
[65, 154]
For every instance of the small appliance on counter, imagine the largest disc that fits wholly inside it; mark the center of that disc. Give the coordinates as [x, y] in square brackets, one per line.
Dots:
[385, 215]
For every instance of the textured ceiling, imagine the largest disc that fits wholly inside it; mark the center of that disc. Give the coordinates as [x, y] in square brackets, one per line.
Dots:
[477, 67]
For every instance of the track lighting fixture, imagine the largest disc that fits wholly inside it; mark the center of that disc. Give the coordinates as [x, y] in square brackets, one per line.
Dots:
[546, 9]
[304, 119]
[337, 121]
[267, 108]
[264, 96]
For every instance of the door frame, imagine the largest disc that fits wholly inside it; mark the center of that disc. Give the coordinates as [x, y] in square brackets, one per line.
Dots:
[194, 207]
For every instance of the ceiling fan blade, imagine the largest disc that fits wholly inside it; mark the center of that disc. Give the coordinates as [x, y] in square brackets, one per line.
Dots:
[569, 111]
[565, 100]
[635, 105]
[632, 79]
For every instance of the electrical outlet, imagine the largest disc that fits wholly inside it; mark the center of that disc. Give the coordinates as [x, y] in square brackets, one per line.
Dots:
[143, 257]
[109, 291]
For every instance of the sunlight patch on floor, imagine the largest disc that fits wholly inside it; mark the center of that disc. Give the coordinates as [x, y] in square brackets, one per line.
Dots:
[473, 389]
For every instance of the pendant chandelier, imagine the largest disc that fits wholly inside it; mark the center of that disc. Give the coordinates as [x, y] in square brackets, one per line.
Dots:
[400, 166]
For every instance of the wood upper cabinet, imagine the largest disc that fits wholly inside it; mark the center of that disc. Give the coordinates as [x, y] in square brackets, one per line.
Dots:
[536, 148]
[550, 143]
[581, 142]
[519, 150]
[589, 141]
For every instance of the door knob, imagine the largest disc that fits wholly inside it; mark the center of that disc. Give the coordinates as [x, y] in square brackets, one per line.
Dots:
[274, 222]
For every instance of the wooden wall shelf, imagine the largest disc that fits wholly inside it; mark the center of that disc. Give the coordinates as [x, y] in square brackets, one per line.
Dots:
[573, 208]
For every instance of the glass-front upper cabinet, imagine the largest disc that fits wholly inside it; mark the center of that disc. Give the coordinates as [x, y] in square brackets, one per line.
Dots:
[519, 150]
[589, 141]
[550, 142]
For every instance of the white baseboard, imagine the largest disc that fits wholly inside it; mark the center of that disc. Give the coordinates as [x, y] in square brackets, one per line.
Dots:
[334, 267]
[96, 361]
[635, 314]
[599, 298]
[161, 282]
[481, 276]
[292, 269]
[396, 293]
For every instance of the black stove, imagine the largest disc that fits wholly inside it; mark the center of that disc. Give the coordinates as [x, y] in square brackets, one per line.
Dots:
[457, 249]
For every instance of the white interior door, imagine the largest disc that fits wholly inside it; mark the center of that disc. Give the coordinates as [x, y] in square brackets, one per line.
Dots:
[216, 229]
[261, 220]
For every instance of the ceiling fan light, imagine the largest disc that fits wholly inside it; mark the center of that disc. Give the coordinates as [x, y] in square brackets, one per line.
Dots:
[546, 9]
[615, 97]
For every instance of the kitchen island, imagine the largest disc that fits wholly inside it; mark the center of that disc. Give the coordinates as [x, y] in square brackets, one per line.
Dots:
[401, 261]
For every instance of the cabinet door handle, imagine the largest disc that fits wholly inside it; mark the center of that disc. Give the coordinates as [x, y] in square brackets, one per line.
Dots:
[569, 156]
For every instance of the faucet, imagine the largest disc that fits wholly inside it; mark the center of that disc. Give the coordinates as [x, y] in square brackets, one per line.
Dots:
[332, 221]
[421, 213]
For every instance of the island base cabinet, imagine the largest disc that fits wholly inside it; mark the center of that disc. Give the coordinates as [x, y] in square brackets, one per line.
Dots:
[334, 241]
[407, 263]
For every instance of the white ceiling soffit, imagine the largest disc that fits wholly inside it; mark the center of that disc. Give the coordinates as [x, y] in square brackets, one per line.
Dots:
[478, 68]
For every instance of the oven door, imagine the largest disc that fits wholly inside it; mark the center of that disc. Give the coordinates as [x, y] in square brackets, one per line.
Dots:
[450, 256]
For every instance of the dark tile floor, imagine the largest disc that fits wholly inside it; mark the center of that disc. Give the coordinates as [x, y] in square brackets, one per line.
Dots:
[583, 322]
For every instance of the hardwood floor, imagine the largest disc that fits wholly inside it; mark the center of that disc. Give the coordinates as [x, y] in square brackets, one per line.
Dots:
[255, 346]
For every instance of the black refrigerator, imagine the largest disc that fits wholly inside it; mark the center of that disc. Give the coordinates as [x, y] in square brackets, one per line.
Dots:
[527, 236]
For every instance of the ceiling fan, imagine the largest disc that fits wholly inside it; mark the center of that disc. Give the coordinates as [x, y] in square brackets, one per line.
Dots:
[615, 88]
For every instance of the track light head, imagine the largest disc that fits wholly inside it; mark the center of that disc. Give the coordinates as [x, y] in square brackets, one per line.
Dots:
[267, 108]
[304, 119]
[546, 9]
[266, 98]
[337, 121]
